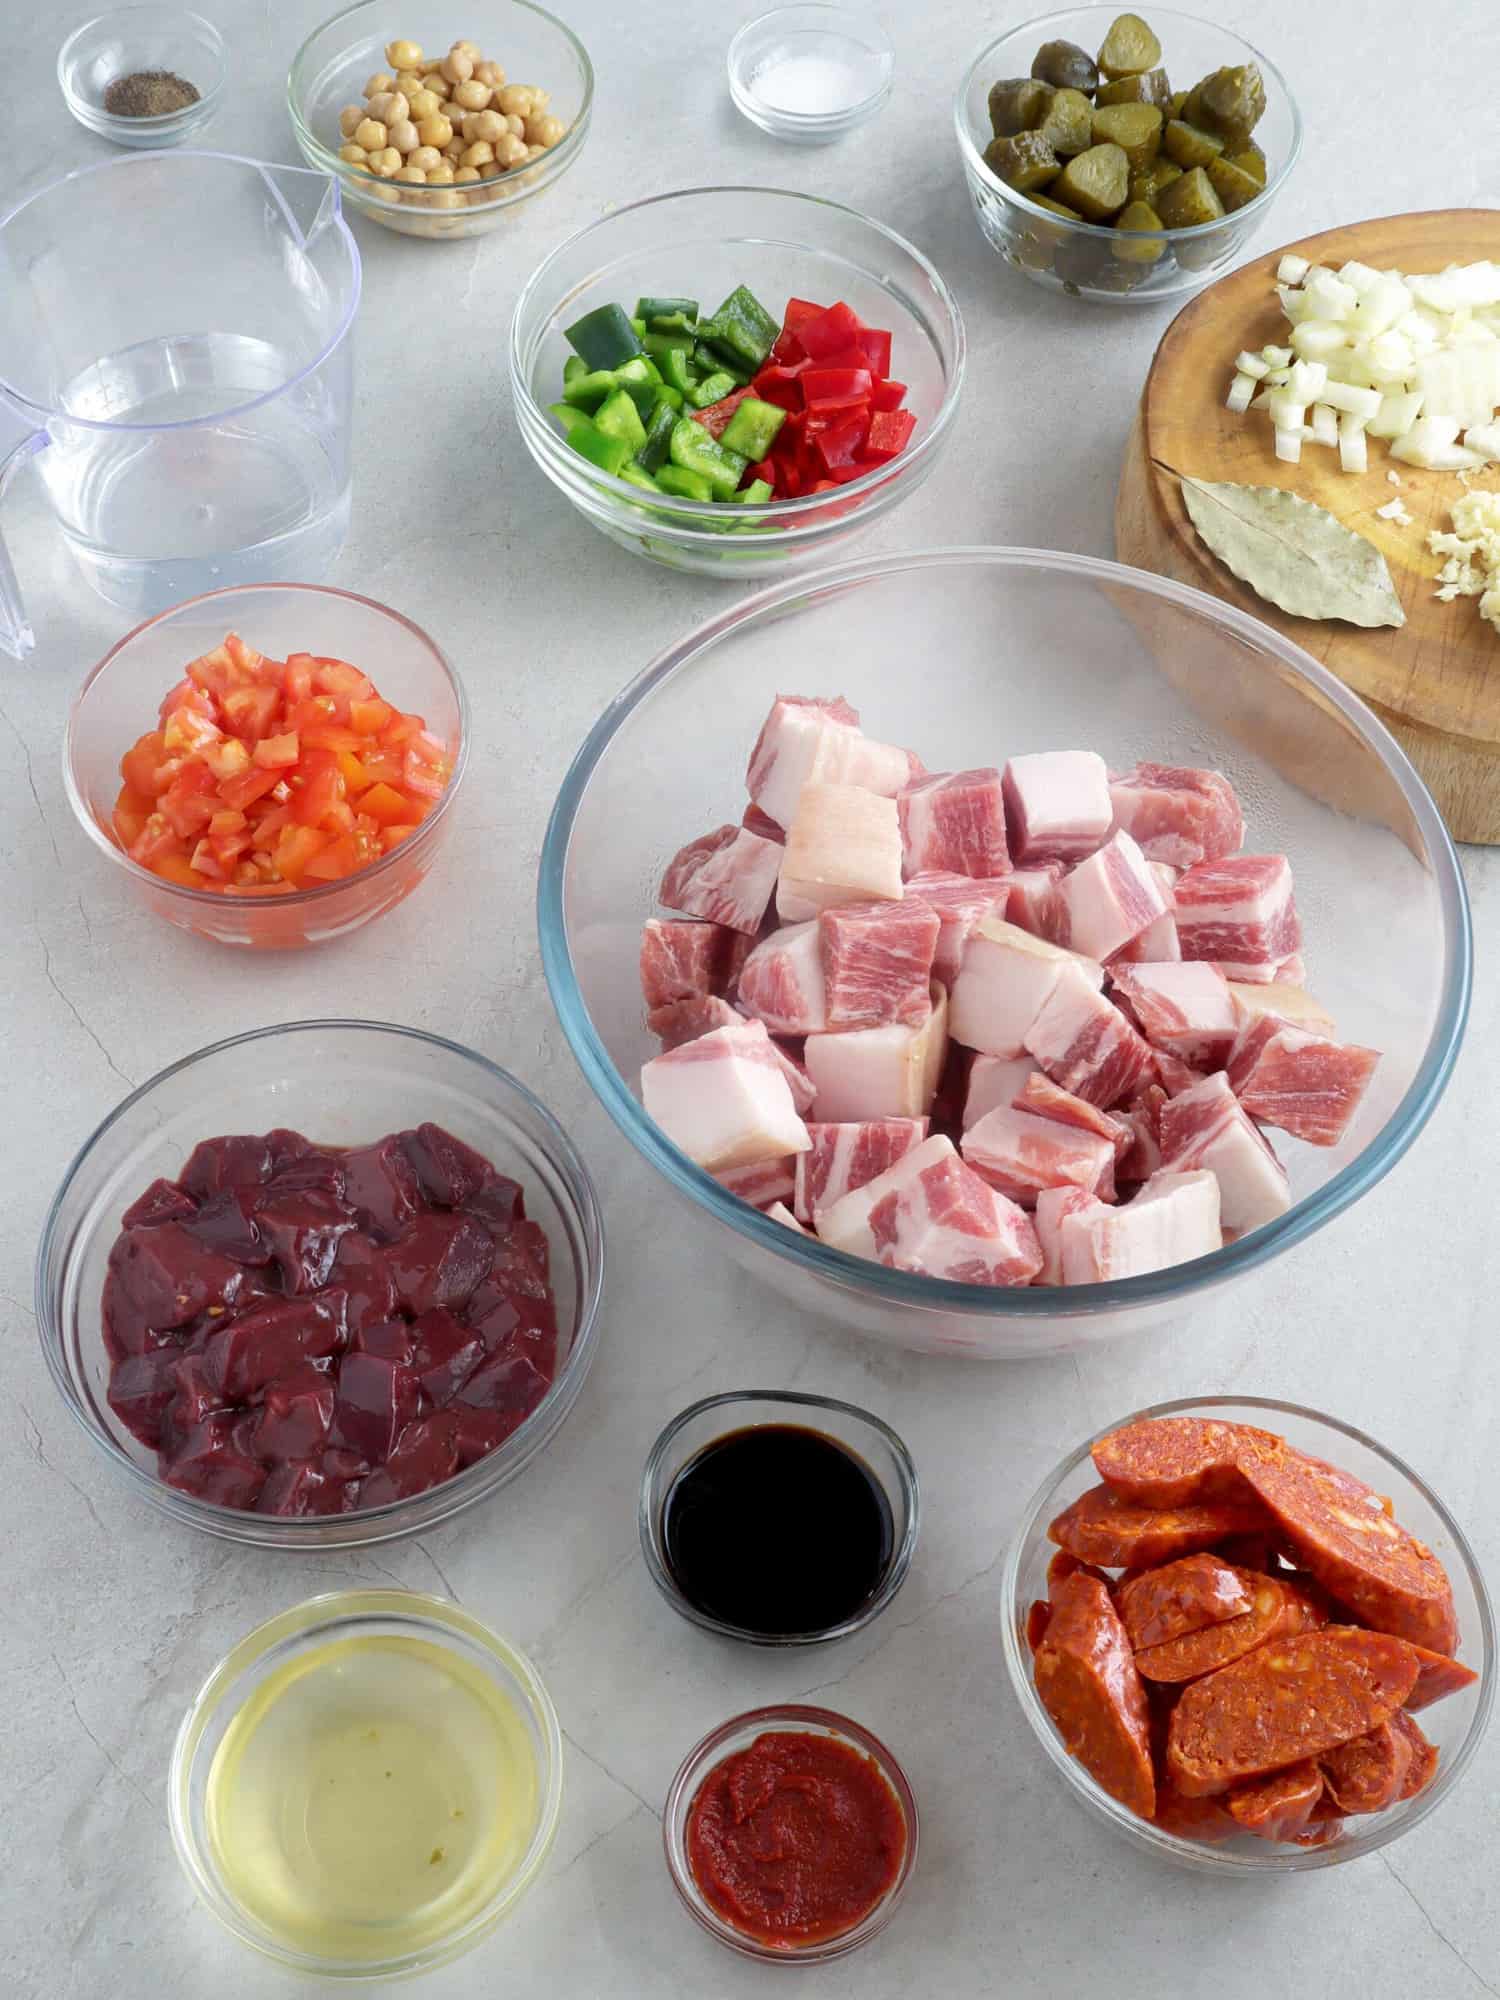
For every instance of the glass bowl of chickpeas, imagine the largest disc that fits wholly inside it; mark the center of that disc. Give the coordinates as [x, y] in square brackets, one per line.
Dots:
[435, 135]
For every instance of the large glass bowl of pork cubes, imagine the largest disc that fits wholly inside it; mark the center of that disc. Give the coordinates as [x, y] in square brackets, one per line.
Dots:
[972, 658]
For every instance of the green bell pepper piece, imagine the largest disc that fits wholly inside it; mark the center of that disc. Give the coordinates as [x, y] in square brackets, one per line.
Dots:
[640, 378]
[709, 361]
[653, 452]
[678, 370]
[741, 329]
[693, 450]
[634, 476]
[604, 337]
[753, 427]
[653, 310]
[667, 394]
[588, 391]
[686, 485]
[712, 389]
[638, 327]
[610, 454]
[569, 416]
[659, 345]
[618, 417]
[756, 494]
[573, 367]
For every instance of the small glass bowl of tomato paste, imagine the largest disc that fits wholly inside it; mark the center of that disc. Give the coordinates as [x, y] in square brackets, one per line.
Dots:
[868, 1869]
[340, 1084]
[1455, 1724]
[120, 700]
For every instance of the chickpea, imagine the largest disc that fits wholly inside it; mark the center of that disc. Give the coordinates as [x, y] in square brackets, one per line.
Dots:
[440, 175]
[490, 172]
[544, 132]
[403, 136]
[404, 55]
[386, 163]
[425, 157]
[435, 131]
[412, 176]
[437, 83]
[517, 101]
[453, 152]
[381, 80]
[490, 73]
[535, 152]
[540, 99]
[511, 151]
[464, 175]
[370, 134]
[480, 154]
[458, 68]
[352, 155]
[515, 125]
[388, 106]
[484, 125]
[422, 104]
[444, 197]
[472, 96]
[464, 48]
[350, 119]
[383, 191]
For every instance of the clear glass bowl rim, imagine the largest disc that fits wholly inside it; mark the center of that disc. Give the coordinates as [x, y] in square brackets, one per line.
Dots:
[847, 115]
[699, 1764]
[793, 1400]
[555, 160]
[164, 122]
[476, 1481]
[442, 1618]
[974, 159]
[1198, 1854]
[295, 899]
[942, 1295]
[679, 513]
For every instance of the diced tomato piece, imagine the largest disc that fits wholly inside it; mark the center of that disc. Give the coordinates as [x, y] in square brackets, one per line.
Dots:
[356, 778]
[156, 838]
[888, 396]
[370, 717]
[339, 817]
[186, 731]
[344, 857]
[319, 787]
[238, 793]
[876, 343]
[392, 836]
[401, 728]
[176, 867]
[187, 694]
[781, 386]
[319, 711]
[227, 758]
[131, 812]
[297, 680]
[295, 847]
[427, 766]
[269, 825]
[249, 711]
[716, 417]
[334, 736]
[890, 431]
[214, 671]
[278, 753]
[338, 678]
[141, 763]
[249, 664]
[190, 801]
[840, 444]
[382, 764]
[825, 333]
[387, 806]
[226, 822]
[206, 862]
[836, 388]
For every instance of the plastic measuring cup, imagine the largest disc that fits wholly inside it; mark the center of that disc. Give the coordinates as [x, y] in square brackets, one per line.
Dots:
[175, 356]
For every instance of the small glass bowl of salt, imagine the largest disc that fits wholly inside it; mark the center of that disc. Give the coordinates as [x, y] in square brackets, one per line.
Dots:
[810, 74]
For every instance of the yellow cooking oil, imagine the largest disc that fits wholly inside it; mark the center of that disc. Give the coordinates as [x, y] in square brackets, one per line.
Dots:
[371, 1796]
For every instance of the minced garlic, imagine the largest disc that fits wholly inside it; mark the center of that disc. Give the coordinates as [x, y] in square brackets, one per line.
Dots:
[1472, 549]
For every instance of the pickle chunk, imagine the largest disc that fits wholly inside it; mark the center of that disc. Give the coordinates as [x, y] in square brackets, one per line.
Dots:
[1229, 102]
[1148, 184]
[1251, 161]
[1025, 161]
[1189, 201]
[1138, 215]
[1129, 47]
[1068, 126]
[1018, 104]
[1232, 184]
[1150, 87]
[1134, 128]
[1096, 183]
[1066, 67]
[1188, 146]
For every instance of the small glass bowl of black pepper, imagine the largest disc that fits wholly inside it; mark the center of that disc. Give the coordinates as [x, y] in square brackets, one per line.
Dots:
[777, 1518]
[143, 76]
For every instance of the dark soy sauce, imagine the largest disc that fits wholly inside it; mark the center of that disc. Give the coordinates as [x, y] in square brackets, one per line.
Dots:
[779, 1530]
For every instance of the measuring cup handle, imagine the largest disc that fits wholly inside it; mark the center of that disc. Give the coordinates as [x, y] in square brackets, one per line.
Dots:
[18, 441]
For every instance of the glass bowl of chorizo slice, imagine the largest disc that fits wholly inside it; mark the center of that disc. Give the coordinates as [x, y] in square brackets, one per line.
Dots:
[856, 924]
[1248, 1636]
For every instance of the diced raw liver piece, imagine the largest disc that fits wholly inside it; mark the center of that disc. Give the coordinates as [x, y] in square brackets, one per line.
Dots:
[1007, 977]
[781, 982]
[930, 1213]
[955, 822]
[766, 1182]
[682, 958]
[843, 846]
[1208, 1127]
[1020, 1154]
[724, 1099]
[805, 741]
[1186, 1009]
[1158, 943]
[728, 876]
[1286, 1001]
[993, 1081]
[889, 1072]
[1086, 1044]
[1053, 1206]
[1303, 1084]
[960, 902]
[685, 1020]
[1174, 1217]
[1240, 913]
[1110, 898]
[779, 1212]
[1034, 904]
[1057, 805]
[877, 963]
[1178, 815]
[844, 1157]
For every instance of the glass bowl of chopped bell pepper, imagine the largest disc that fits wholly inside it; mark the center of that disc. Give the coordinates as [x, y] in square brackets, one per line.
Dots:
[735, 381]
[269, 765]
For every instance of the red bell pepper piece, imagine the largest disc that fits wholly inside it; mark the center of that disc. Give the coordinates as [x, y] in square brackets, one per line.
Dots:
[841, 444]
[797, 314]
[836, 388]
[890, 431]
[828, 332]
[715, 417]
[765, 468]
[876, 344]
[781, 385]
[888, 396]
[787, 348]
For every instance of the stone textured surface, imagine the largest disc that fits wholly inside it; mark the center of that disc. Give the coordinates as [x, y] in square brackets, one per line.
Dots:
[111, 1619]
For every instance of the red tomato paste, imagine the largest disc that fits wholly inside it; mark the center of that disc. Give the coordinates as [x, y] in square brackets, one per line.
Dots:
[796, 1839]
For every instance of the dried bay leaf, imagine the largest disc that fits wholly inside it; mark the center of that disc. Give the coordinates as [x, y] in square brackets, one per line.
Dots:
[1293, 553]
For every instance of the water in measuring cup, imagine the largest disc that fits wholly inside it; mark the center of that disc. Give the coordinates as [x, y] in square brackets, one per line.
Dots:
[162, 507]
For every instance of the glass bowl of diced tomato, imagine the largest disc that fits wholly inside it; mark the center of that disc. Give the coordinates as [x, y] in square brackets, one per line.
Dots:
[269, 765]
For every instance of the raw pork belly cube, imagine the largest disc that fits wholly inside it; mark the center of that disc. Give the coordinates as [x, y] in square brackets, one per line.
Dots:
[1020, 1154]
[1239, 913]
[1174, 1217]
[1301, 1083]
[960, 902]
[889, 1072]
[1007, 977]
[1110, 898]
[1046, 1099]
[781, 982]
[1186, 1009]
[955, 823]
[1034, 904]
[1174, 1075]
[724, 1099]
[1057, 805]
[1158, 943]
[931, 1214]
[807, 741]
[1286, 1002]
[1178, 815]
[685, 1020]
[763, 824]
[1208, 1127]
[995, 1081]
[843, 846]
[779, 1212]
[844, 1157]
[1086, 1044]
[681, 958]
[766, 1182]
[1053, 1205]
[798, 1082]
[727, 876]
[877, 963]
[1142, 1114]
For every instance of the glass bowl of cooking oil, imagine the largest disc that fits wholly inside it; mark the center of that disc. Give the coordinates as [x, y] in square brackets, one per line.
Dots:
[366, 1784]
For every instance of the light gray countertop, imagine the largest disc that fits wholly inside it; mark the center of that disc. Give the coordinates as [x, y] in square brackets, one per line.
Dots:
[112, 1618]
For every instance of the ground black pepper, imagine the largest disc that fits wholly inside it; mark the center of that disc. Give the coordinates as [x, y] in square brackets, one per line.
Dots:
[148, 93]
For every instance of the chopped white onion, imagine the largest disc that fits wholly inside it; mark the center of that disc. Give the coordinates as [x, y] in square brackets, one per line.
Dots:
[1292, 270]
[1254, 365]
[1289, 444]
[1354, 453]
[1241, 389]
[1325, 425]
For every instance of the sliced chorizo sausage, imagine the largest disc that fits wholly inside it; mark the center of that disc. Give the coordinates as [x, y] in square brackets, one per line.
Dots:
[1192, 1819]
[1424, 1755]
[1366, 1774]
[1086, 1678]
[1038, 1618]
[1290, 1699]
[1102, 1528]
[1175, 1461]
[1181, 1597]
[1280, 1806]
[1062, 1564]
[1437, 1676]
[1277, 1610]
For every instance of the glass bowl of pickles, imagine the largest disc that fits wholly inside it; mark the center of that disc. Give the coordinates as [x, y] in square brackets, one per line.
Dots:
[1124, 157]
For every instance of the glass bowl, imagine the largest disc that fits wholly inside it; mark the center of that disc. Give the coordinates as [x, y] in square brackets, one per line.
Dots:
[320, 1621]
[1081, 258]
[969, 654]
[321, 1078]
[333, 65]
[726, 1741]
[839, 63]
[1456, 1725]
[120, 698]
[874, 1443]
[142, 38]
[782, 246]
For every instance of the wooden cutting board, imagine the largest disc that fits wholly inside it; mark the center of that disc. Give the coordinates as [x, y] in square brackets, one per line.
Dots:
[1435, 682]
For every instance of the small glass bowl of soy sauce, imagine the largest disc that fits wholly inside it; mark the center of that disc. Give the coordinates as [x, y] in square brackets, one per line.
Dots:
[778, 1518]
